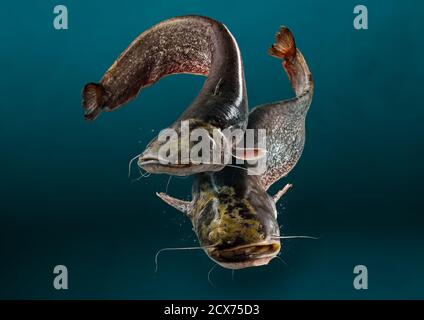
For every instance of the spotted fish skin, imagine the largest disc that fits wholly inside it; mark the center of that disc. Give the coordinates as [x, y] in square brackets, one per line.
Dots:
[230, 208]
[188, 44]
[284, 121]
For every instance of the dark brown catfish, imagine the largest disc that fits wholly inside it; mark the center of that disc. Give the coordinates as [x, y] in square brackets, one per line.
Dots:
[234, 217]
[188, 44]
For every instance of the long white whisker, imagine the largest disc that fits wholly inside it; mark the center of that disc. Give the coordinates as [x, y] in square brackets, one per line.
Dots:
[136, 179]
[142, 175]
[237, 167]
[209, 275]
[130, 163]
[167, 184]
[281, 259]
[178, 249]
[295, 237]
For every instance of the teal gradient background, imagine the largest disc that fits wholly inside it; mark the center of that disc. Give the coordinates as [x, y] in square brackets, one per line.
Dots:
[66, 198]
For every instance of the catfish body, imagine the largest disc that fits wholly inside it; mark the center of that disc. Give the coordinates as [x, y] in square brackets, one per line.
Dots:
[188, 44]
[232, 214]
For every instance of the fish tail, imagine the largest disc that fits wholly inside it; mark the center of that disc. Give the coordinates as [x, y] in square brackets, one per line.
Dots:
[93, 100]
[285, 47]
[294, 64]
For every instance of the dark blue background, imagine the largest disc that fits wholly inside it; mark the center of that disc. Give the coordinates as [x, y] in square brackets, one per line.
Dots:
[66, 198]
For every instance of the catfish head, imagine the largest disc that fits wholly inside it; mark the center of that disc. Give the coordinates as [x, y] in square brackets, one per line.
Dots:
[237, 228]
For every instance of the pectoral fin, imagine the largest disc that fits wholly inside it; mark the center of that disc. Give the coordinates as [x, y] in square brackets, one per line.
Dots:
[180, 205]
[280, 193]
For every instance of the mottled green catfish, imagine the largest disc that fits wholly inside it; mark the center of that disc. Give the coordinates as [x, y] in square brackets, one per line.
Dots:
[233, 216]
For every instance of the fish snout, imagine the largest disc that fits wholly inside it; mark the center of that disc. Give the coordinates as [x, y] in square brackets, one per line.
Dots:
[152, 162]
[175, 156]
[245, 256]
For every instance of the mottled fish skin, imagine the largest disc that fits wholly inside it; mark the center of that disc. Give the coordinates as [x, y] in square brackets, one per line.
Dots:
[231, 210]
[187, 44]
[284, 121]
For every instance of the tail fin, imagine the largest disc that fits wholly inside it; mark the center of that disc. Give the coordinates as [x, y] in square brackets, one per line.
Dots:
[293, 63]
[92, 94]
[285, 47]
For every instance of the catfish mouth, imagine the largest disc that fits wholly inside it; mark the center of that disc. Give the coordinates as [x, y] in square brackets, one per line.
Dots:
[154, 165]
[245, 256]
[146, 162]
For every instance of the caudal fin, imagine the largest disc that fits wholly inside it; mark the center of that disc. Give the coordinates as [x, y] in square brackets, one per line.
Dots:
[92, 94]
[285, 47]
